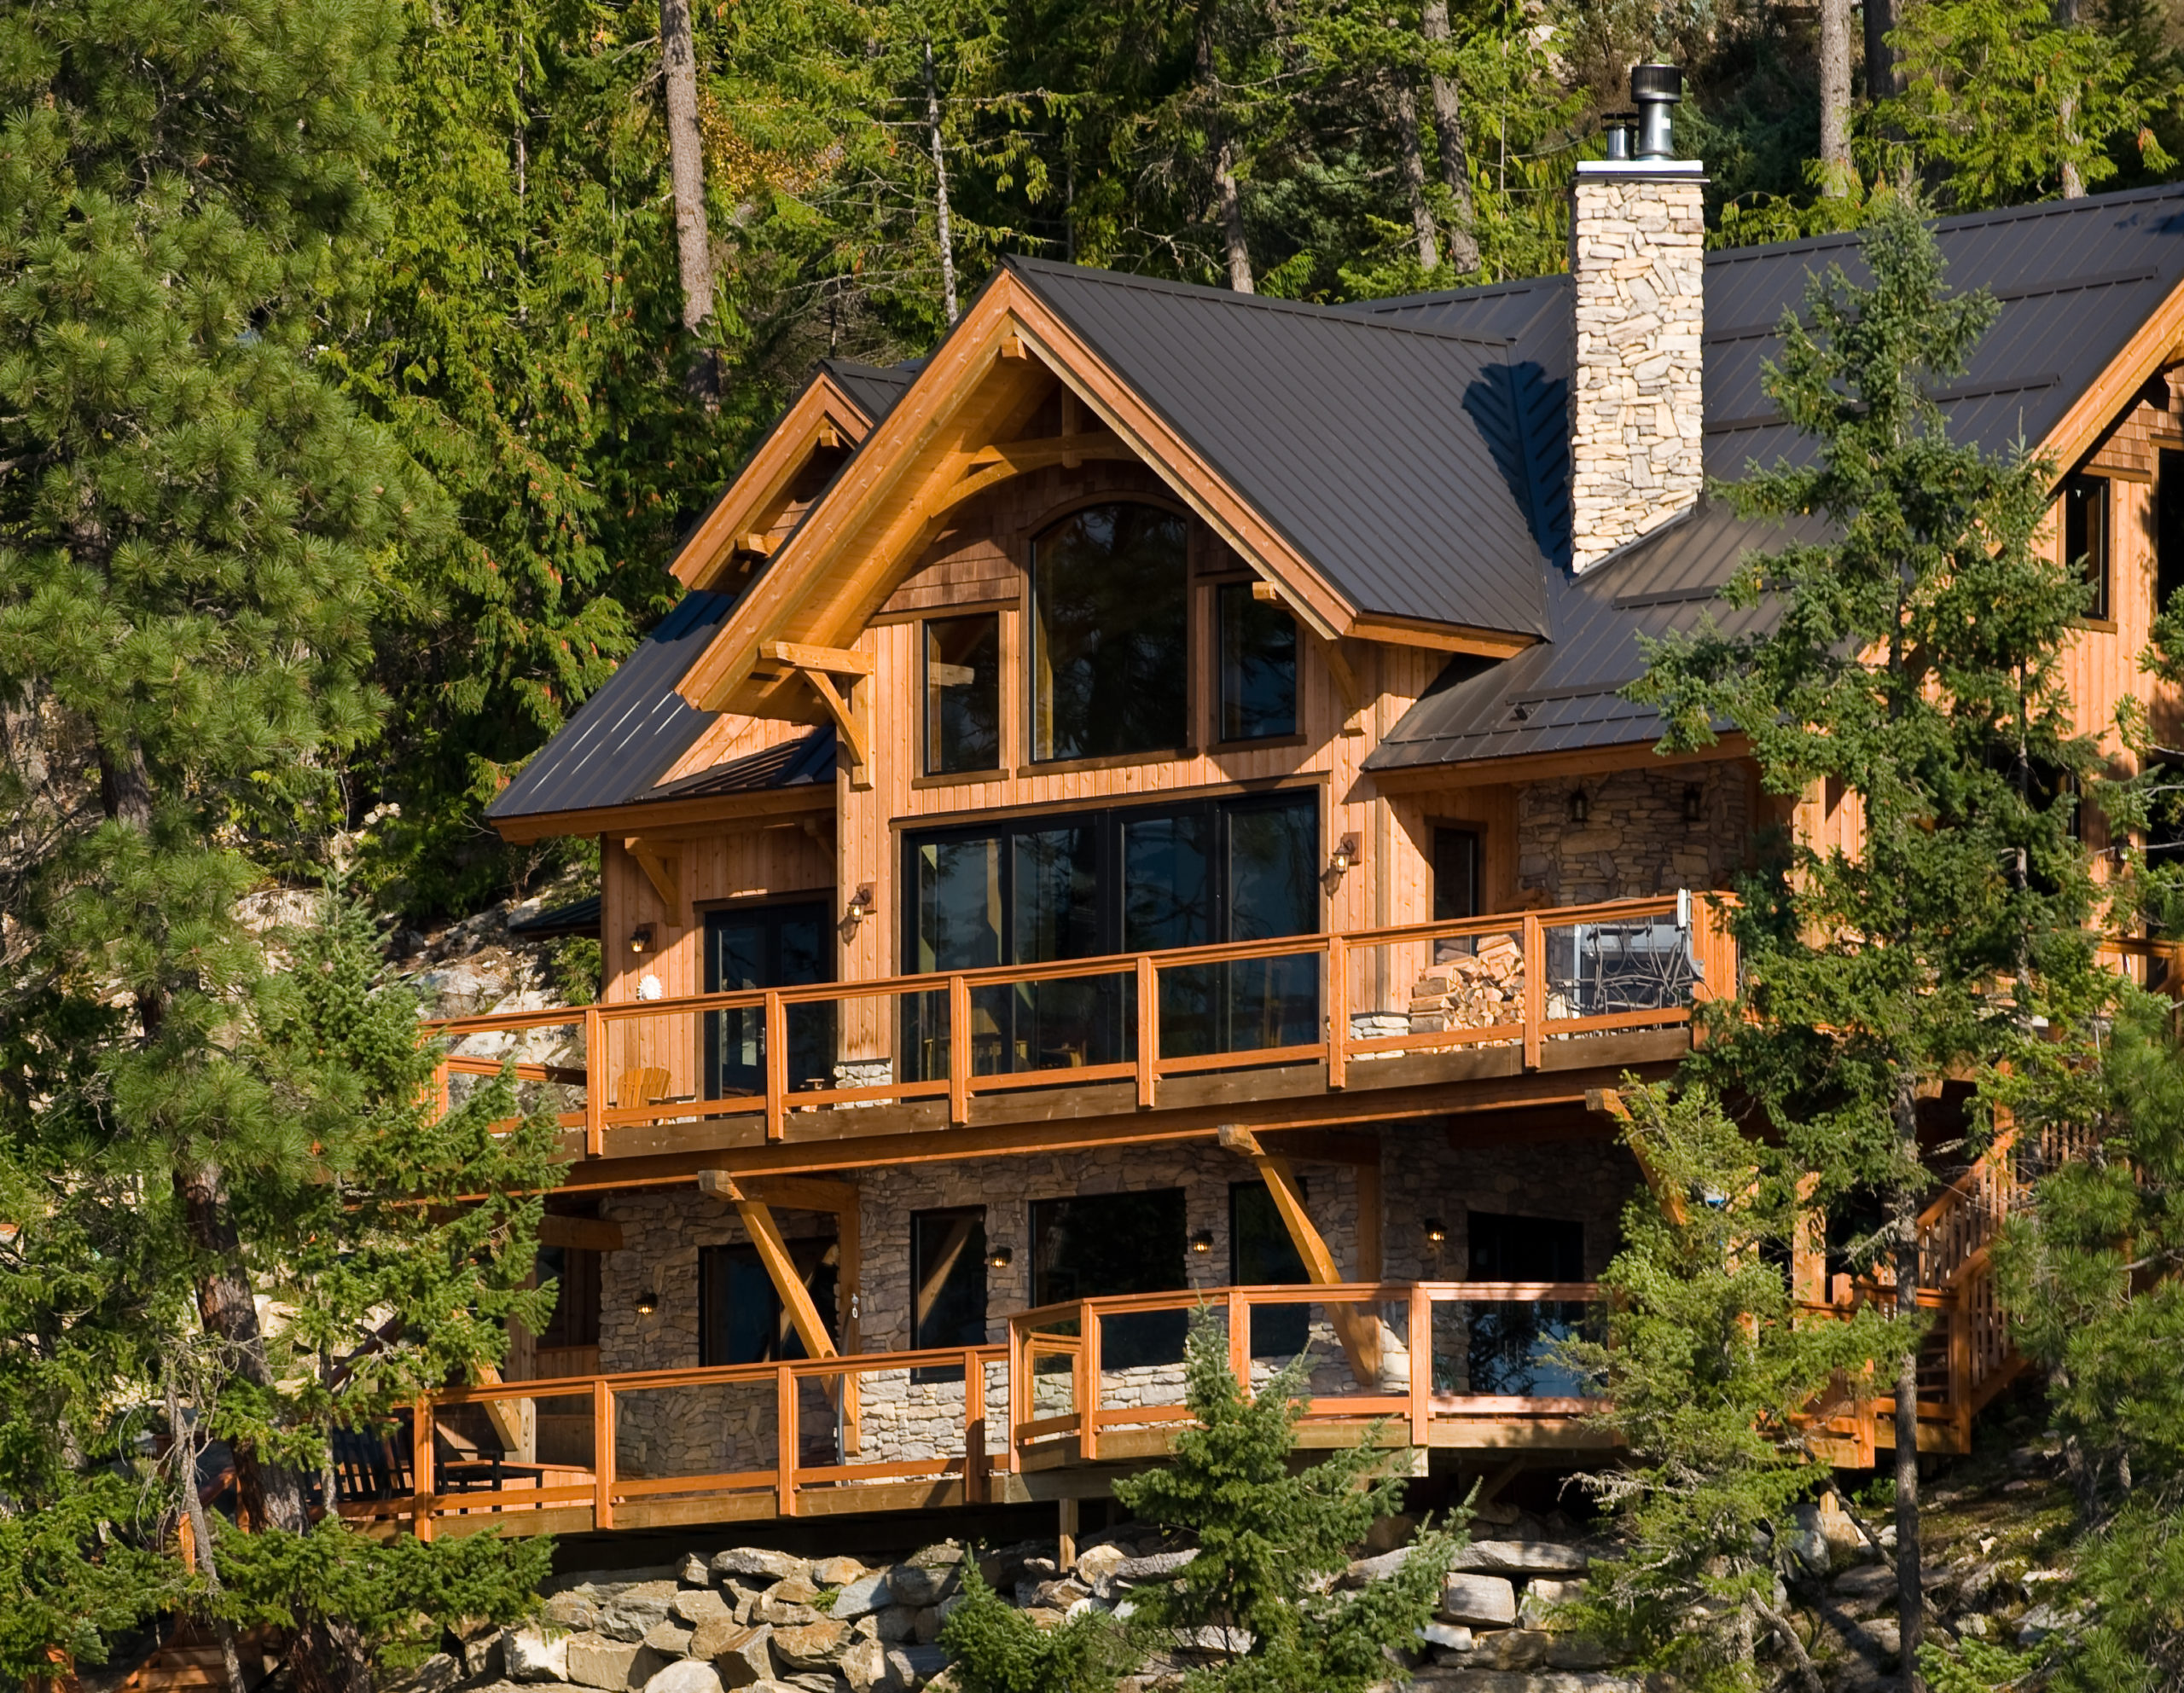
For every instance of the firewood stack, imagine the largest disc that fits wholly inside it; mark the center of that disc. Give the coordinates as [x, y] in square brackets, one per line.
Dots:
[1473, 991]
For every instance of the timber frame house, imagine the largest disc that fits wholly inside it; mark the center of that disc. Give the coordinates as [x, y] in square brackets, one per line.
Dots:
[1138, 810]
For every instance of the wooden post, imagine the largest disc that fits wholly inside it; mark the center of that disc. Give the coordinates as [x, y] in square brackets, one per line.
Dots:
[1960, 1364]
[1535, 988]
[595, 1082]
[1240, 1342]
[1088, 1382]
[776, 1065]
[785, 1433]
[1421, 1365]
[1337, 1011]
[959, 1050]
[974, 1427]
[421, 1467]
[1065, 1533]
[1369, 1222]
[603, 1453]
[1148, 1030]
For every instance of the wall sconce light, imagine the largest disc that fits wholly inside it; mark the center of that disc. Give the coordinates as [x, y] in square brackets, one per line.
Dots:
[1202, 1242]
[1694, 803]
[1347, 851]
[1580, 806]
[1437, 1232]
[1000, 1258]
[640, 938]
[648, 1302]
[859, 908]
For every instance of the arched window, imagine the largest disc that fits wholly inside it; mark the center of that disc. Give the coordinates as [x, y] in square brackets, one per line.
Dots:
[1110, 651]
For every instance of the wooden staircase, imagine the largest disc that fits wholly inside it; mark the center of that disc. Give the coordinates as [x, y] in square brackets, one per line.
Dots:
[190, 1659]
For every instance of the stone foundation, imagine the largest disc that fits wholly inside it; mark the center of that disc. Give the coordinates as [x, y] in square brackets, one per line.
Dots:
[1635, 839]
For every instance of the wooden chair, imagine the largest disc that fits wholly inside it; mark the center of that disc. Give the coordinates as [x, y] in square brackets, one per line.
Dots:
[644, 1085]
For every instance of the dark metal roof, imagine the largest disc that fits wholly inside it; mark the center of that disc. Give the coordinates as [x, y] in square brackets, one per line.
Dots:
[577, 917]
[875, 388]
[787, 764]
[630, 734]
[1395, 459]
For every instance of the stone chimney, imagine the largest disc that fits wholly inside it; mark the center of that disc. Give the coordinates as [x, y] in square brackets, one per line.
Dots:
[1638, 257]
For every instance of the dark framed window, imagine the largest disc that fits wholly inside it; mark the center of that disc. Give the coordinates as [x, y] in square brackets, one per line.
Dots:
[1042, 889]
[740, 1317]
[1086, 1248]
[1110, 634]
[1505, 1249]
[948, 1278]
[2086, 539]
[962, 693]
[1261, 1254]
[782, 945]
[2169, 527]
[1513, 1346]
[1259, 665]
[1455, 873]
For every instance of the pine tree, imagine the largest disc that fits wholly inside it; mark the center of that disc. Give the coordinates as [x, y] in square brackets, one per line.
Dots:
[1270, 1540]
[1713, 1374]
[1913, 672]
[195, 526]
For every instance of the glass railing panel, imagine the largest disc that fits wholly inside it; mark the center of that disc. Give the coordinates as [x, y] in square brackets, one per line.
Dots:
[695, 1430]
[1511, 1348]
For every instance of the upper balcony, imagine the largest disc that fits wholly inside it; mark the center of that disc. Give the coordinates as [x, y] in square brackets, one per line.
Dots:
[1473, 1013]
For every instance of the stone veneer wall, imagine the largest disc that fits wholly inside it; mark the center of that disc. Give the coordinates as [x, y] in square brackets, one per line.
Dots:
[1635, 840]
[1637, 415]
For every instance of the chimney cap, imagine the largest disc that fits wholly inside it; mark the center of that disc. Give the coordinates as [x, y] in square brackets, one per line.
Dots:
[1649, 82]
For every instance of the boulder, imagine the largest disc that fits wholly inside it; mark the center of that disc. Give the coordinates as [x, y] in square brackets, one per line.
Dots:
[669, 1639]
[436, 1674]
[893, 1624]
[1462, 1679]
[925, 1625]
[1450, 1636]
[695, 1572]
[594, 1660]
[1520, 1557]
[1135, 1572]
[633, 1612]
[528, 1654]
[1479, 1601]
[744, 1657]
[1575, 1651]
[1390, 1533]
[1542, 1596]
[2049, 1617]
[865, 1666]
[1100, 1562]
[486, 1655]
[815, 1645]
[940, 1555]
[862, 1596]
[912, 1667]
[755, 1566]
[701, 1605]
[915, 1584]
[1510, 1648]
[781, 1612]
[574, 1611]
[688, 1676]
[1210, 1640]
[1364, 1569]
[836, 1572]
[716, 1635]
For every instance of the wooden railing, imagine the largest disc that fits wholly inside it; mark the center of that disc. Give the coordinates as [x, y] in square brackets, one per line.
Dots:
[1144, 1018]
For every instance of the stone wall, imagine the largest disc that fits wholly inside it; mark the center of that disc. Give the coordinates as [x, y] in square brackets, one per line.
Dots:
[1635, 839]
[1637, 246]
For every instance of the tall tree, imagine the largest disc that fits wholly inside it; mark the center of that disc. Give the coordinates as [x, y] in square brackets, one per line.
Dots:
[1836, 169]
[686, 160]
[1914, 667]
[1444, 78]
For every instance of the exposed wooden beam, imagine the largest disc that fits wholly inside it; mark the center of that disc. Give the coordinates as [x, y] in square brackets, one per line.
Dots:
[1348, 688]
[1485, 643]
[662, 868]
[1637, 755]
[805, 1193]
[848, 723]
[824, 415]
[583, 1234]
[1323, 1147]
[833, 661]
[773, 1252]
[1359, 1331]
[713, 812]
[2152, 345]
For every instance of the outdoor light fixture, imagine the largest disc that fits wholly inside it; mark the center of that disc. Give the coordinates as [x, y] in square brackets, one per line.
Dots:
[1436, 1230]
[1202, 1241]
[640, 938]
[1580, 806]
[648, 1302]
[860, 907]
[1347, 851]
[1000, 1258]
[1694, 803]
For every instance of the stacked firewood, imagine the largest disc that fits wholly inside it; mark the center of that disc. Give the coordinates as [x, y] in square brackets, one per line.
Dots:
[1471, 990]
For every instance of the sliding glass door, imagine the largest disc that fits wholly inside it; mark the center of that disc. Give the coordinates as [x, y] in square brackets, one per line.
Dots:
[767, 945]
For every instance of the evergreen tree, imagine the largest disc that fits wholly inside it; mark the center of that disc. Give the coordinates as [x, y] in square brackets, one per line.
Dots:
[1270, 1540]
[998, 1649]
[194, 530]
[1912, 670]
[1714, 1374]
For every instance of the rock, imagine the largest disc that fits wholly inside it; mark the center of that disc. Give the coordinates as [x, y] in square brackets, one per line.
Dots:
[1510, 1648]
[701, 1605]
[695, 1573]
[836, 1572]
[914, 1585]
[1463, 1680]
[528, 1655]
[1390, 1533]
[1002, 1568]
[669, 1640]
[864, 1594]
[1211, 1639]
[940, 1555]
[1864, 1589]
[1575, 1651]
[689, 1676]
[815, 1645]
[593, 1661]
[755, 1566]
[1808, 1542]
[436, 1674]
[1976, 1626]
[1135, 1572]
[812, 1681]
[1449, 1636]
[1081, 1608]
[781, 1612]
[865, 1666]
[744, 1658]
[1058, 1595]
[1365, 1569]
[1520, 1557]
[1097, 1564]
[2049, 1617]
[574, 1611]
[1542, 1596]
[925, 1625]
[485, 1654]
[1480, 1600]
[891, 1624]
[632, 1612]
[914, 1666]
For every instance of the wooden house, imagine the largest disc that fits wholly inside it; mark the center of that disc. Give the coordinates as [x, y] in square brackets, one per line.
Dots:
[1138, 810]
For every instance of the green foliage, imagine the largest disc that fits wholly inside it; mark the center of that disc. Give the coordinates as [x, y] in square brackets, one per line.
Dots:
[1711, 1370]
[998, 1649]
[1974, 1667]
[1269, 1539]
[576, 969]
[2009, 99]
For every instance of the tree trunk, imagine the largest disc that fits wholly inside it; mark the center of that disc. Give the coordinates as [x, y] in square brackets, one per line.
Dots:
[1449, 132]
[200, 1531]
[1836, 171]
[1403, 112]
[1910, 1595]
[1880, 57]
[1228, 204]
[939, 184]
[686, 163]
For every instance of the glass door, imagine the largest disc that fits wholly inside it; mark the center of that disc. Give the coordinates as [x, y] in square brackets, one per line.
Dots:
[767, 945]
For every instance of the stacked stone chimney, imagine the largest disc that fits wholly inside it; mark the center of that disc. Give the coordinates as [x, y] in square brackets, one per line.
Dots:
[1638, 255]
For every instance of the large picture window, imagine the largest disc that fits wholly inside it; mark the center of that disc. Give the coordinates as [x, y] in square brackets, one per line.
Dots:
[962, 693]
[740, 1317]
[1259, 665]
[1115, 1243]
[1109, 627]
[1044, 890]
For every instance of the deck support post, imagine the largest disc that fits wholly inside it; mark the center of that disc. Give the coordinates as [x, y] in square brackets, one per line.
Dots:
[773, 1252]
[1358, 1331]
[1066, 1532]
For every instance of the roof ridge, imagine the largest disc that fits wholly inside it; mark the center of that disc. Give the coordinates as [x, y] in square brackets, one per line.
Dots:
[1962, 220]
